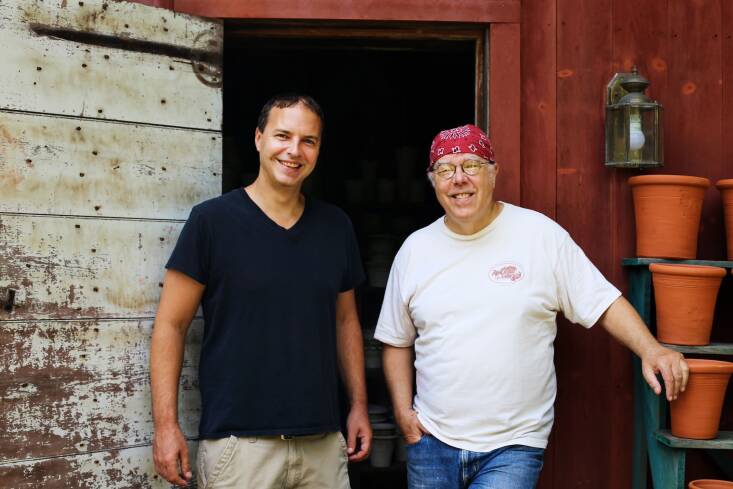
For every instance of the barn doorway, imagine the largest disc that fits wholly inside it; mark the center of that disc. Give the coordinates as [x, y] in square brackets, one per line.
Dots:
[385, 92]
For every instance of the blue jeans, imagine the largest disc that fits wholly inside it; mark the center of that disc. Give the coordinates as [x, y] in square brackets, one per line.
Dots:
[431, 464]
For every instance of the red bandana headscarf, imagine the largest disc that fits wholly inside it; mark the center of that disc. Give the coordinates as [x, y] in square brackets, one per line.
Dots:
[464, 139]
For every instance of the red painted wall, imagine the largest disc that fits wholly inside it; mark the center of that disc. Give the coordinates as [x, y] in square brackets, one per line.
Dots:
[569, 51]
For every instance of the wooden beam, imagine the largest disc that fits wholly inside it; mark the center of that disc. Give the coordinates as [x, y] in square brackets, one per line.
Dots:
[504, 108]
[87, 167]
[473, 11]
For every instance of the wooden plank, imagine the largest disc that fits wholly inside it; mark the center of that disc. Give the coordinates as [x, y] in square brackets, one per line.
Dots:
[319, 31]
[68, 268]
[82, 61]
[473, 11]
[726, 164]
[112, 469]
[711, 349]
[587, 386]
[79, 386]
[645, 262]
[156, 3]
[724, 441]
[504, 108]
[640, 38]
[693, 118]
[61, 165]
[128, 20]
[538, 158]
[538, 168]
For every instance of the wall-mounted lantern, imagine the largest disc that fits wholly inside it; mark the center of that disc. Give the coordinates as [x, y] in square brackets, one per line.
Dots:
[634, 136]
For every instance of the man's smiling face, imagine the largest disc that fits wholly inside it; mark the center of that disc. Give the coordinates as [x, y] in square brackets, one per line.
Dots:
[467, 200]
[289, 145]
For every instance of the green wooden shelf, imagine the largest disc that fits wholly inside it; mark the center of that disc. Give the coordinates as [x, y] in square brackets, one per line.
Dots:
[627, 262]
[654, 446]
[711, 349]
[724, 441]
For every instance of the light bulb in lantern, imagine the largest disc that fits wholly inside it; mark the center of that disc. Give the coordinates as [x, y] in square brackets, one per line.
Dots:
[636, 135]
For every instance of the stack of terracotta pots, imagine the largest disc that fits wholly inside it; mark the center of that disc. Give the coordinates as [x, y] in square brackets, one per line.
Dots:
[668, 210]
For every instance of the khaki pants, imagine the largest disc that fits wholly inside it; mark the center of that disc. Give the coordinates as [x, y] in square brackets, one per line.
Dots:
[269, 462]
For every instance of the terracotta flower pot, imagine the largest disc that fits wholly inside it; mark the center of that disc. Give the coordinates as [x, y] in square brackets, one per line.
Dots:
[726, 193]
[667, 210]
[685, 298]
[710, 484]
[696, 412]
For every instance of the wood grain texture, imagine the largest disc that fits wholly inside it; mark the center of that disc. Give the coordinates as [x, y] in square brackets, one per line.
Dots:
[474, 11]
[539, 135]
[128, 67]
[110, 469]
[539, 106]
[726, 166]
[94, 190]
[504, 107]
[79, 386]
[694, 112]
[83, 167]
[639, 38]
[585, 387]
[68, 268]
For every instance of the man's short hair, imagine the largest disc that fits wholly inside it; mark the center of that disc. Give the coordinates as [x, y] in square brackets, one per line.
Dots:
[284, 100]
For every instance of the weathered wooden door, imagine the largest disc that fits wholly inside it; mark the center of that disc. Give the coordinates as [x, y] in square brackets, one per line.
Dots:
[110, 130]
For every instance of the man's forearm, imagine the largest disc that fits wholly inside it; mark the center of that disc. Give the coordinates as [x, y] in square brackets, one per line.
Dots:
[398, 371]
[166, 359]
[623, 323]
[351, 360]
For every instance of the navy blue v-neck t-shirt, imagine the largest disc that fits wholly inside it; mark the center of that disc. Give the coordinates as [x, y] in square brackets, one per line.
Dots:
[268, 357]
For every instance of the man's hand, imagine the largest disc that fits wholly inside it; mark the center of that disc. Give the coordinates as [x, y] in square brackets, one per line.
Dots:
[411, 428]
[624, 324]
[170, 453]
[358, 428]
[671, 365]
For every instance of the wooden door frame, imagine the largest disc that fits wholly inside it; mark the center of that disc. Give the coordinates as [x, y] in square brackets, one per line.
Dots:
[499, 19]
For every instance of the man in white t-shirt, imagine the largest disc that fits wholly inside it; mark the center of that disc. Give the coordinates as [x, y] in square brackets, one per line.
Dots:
[474, 297]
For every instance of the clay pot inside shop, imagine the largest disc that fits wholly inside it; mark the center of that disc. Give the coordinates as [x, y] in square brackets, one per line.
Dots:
[685, 298]
[383, 444]
[696, 412]
[710, 484]
[726, 194]
[667, 210]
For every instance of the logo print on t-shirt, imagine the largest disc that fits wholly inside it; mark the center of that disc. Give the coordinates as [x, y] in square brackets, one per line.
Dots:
[506, 273]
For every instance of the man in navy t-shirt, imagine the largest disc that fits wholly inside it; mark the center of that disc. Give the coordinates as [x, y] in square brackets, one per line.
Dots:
[275, 274]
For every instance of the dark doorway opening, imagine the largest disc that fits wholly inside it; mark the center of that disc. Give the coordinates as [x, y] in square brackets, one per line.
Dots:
[384, 99]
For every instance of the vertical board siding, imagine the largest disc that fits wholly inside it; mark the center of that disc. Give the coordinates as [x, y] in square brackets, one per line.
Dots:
[584, 32]
[95, 185]
[504, 107]
[539, 133]
[641, 23]
[538, 108]
[68, 166]
[685, 49]
[726, 165]
[694, 119]
[80, 386]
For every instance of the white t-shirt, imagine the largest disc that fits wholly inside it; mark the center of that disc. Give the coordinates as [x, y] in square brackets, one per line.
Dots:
[480, 311]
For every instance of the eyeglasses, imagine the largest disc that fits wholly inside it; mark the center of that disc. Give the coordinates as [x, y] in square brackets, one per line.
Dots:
[469, 167]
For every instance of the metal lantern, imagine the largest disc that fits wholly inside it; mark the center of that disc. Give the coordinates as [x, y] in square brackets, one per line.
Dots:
[634, 136]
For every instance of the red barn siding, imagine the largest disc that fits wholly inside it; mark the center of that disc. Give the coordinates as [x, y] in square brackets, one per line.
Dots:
[569, 51]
